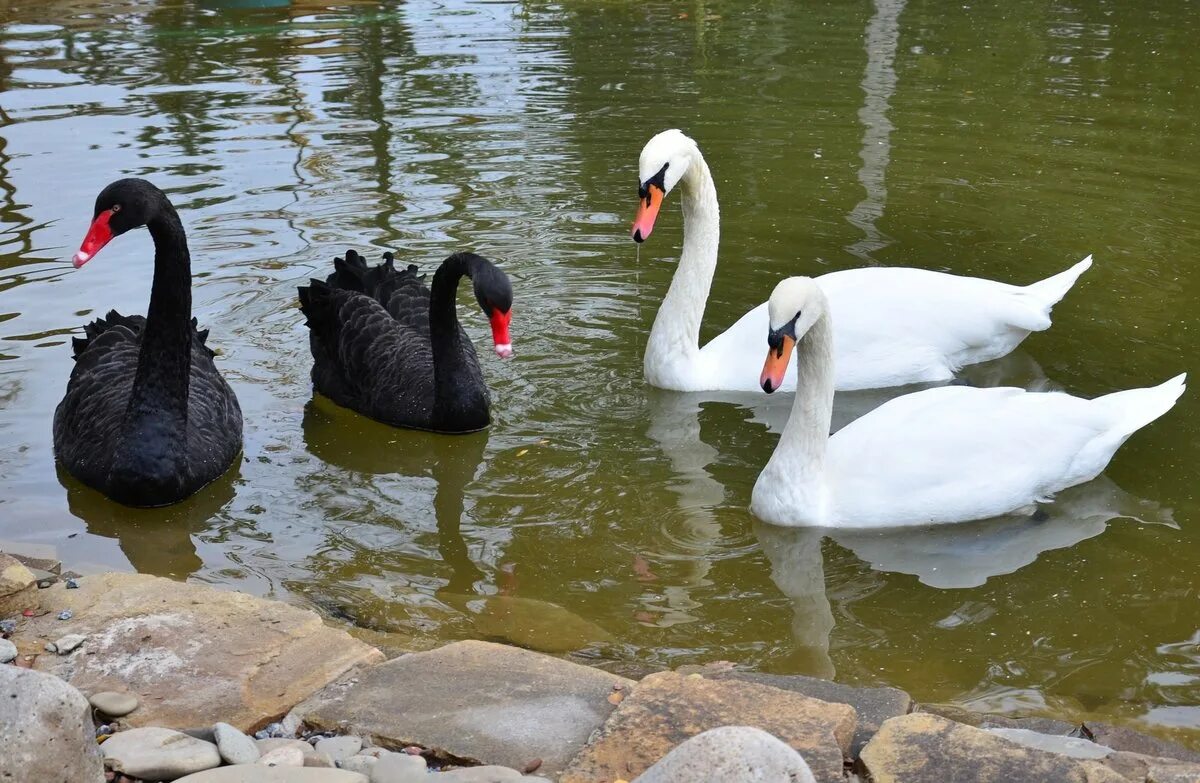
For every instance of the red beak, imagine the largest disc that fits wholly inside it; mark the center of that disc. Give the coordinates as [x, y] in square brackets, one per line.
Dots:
[97, 237]
[500, 336]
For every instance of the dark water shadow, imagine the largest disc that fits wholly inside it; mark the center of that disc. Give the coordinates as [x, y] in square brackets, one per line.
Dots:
[156, 541]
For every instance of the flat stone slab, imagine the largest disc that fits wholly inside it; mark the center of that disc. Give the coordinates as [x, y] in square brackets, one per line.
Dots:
[926, 748]
[473, 702]
[667, 708]
[872, 705]
[190, 653]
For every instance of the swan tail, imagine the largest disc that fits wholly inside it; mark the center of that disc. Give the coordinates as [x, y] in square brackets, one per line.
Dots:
[315, 300]
[112, 320]
[378, 282]
[1050, 291]
[1135, 408]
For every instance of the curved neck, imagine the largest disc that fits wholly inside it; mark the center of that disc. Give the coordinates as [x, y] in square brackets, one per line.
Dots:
[453, 393]
[165, 360]
[796, 471]
[675, 336]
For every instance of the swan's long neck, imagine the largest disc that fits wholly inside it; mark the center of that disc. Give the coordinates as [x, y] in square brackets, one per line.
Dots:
[458, 397]
[675, 336]
[791, 488]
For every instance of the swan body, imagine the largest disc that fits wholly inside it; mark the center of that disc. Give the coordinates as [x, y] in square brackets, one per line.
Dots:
[894, 326]
[147, 418]
[942, 455]
[389, 347]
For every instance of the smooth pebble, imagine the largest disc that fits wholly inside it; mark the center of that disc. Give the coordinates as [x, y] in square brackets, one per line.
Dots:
[398, 768]
[235, 747]
[285, 756]
[8, 651]
[114, 704]
[339, 747]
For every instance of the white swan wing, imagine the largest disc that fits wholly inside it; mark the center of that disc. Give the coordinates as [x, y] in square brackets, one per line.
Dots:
[733, 360]
[954, 453]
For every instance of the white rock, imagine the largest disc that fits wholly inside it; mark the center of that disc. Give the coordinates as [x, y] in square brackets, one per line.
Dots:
[486, 774]
[285, 756]
[234, 746]
[399, 768]
[729, 754]
[152, 753]
[318, 759]
[8, 651]
[114, 704]
[253, 773]
[339, 747]
[38, 712]
[267, 745]
[375, 752]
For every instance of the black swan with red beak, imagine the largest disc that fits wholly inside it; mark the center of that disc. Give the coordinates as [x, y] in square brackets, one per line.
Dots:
[390, 348]
[147, 418]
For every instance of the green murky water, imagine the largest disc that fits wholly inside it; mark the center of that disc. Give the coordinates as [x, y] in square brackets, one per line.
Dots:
[599, 515]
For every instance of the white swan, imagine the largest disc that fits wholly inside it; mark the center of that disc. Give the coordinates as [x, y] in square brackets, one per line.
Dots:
[894, 326]
[948, 454]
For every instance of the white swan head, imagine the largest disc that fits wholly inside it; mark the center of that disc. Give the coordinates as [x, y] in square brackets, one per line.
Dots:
[795, 305]
[664, 161]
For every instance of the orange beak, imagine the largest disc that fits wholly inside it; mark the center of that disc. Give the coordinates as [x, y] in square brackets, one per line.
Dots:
[647, 212]
[776, 365]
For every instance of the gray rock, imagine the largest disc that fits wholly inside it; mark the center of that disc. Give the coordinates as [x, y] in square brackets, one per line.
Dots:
[399, 768]
[1126, 739]
[486, 774]
[474, 701]
[360, 764]
[8, 651]
[158, 754]
[234, 746]
[38, 712]
[66, 644]
[374, 752]
[730, 754]
[873, 705]
[253, 773]
[284, 756]
[114, 704]
[1074, 747]
[339, 747]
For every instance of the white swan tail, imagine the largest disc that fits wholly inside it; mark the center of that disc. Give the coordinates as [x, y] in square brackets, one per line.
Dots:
[1050, 291]
[1138, 407]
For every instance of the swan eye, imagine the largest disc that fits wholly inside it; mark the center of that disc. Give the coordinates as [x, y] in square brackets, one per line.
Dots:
[116, 208]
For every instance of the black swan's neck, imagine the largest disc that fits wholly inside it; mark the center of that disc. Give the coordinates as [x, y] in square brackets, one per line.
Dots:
[166, 356]
[459, 400]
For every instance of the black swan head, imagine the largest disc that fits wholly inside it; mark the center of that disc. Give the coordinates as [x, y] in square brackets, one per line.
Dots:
[123, 205]
[494, 293]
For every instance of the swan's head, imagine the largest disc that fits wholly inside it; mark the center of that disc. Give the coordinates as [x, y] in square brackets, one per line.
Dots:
[794, 306]
[494, 293]
[664, 161]
[123, 205]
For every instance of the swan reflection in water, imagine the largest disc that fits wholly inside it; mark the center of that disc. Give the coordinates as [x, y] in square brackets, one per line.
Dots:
[157, 541]
[942, 556]
[945, 556]
[351, 442]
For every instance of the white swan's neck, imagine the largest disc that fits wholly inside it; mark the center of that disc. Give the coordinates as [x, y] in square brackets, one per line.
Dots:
[674, 346]
[791, 489]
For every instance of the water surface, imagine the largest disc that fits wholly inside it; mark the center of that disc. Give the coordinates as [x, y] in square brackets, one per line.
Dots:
[597, 516]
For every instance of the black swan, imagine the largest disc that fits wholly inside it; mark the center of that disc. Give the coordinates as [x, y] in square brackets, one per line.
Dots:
[147, 418]
[385, 345]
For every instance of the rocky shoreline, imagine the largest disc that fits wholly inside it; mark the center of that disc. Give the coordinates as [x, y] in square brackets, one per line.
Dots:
[188, 683]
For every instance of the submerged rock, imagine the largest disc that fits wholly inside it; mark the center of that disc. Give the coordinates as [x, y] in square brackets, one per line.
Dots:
[158, 754]
[727, 755]
[45, 730]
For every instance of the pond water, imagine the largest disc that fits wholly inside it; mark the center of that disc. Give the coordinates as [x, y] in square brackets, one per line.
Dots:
[597, 516]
